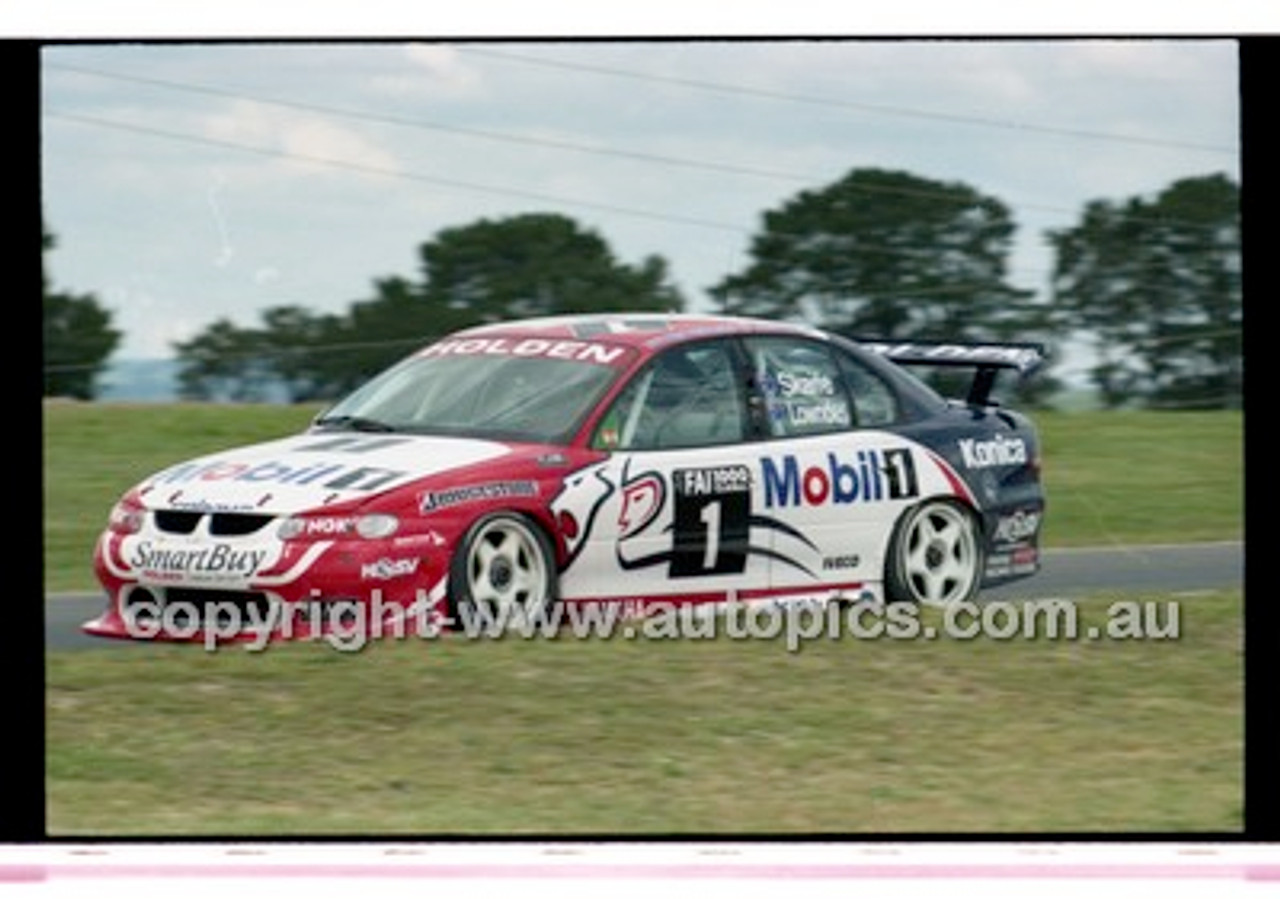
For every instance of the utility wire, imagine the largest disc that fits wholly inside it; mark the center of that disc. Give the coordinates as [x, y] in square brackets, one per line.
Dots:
[524, 140]
[456, 184]
[395, 173]
[882, 109]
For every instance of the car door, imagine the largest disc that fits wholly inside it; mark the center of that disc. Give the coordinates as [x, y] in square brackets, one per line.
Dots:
[833, 481]
[669, 512]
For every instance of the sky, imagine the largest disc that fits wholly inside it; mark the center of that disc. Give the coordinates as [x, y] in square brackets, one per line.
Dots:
[191, 181]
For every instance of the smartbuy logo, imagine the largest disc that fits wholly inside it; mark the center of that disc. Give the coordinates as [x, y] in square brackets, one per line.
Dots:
[218, 559]
[866, 476]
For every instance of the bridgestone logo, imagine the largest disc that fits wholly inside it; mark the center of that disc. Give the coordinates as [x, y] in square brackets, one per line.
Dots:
[989, 453]
[497, 490]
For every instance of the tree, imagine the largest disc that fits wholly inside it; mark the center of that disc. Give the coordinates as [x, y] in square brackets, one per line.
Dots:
[885, 254]
[293, 345]
[78, 338]
[536, 264]
[378, 331]
[527, 265]
[1157, 283]
[225, 362]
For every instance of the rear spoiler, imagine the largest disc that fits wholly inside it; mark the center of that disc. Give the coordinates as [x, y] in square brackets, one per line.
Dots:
[987, 358]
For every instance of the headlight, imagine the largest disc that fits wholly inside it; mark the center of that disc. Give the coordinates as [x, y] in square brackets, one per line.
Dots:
[126, 518]
[371, 527]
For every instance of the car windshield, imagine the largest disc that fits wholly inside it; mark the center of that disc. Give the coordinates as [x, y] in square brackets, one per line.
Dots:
[535, 399]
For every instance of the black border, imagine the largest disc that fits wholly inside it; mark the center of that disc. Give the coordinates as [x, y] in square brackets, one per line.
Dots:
[22, 797]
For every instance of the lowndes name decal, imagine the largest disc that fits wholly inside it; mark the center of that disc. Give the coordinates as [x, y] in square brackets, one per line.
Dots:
[999, 450]
[530, 347]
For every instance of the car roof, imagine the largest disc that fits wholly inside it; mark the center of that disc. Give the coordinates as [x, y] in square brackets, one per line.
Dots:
[644, 330]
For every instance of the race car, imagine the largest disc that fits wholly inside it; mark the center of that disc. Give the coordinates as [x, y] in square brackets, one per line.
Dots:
[637, 459]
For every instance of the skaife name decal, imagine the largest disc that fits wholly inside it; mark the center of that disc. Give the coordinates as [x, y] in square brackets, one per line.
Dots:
[990, 453]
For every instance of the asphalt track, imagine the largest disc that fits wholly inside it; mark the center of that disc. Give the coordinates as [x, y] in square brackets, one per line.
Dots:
[1182, 569]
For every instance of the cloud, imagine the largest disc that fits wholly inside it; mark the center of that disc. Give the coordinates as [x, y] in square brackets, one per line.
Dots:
[308, 144]
[434, 70]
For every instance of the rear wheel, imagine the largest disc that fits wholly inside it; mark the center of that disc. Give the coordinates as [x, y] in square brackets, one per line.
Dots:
[503, 573]
[935, 555]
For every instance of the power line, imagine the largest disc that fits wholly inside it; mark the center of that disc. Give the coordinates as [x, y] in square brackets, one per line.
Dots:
[882, 109]
[485, 134]
[451, 183]
[545, 143]
[396, 173]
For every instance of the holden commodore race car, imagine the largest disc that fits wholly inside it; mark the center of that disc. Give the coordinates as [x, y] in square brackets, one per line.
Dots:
[635, 459]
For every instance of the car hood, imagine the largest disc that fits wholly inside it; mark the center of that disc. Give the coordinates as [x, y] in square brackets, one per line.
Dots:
[311, 470]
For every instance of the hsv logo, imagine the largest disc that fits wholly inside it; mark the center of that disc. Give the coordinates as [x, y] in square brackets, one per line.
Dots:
[867, 476]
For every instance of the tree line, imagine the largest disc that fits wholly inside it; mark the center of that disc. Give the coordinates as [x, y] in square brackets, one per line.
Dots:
[1152, 283]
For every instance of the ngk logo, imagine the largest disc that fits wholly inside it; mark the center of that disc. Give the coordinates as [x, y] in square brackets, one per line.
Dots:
[865, 476]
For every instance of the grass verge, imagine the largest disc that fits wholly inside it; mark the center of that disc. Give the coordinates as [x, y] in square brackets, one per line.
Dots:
[581, 737]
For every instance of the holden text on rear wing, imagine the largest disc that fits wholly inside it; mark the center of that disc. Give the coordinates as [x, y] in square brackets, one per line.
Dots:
[988, 359]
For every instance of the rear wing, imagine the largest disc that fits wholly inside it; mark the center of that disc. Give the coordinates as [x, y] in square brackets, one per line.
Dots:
[988, 359]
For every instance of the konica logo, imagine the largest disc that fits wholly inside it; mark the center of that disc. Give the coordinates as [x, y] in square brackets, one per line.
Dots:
[867, 476]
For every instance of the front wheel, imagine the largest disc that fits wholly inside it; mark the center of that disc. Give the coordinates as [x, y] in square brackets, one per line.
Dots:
[935, 555]
[503, 574]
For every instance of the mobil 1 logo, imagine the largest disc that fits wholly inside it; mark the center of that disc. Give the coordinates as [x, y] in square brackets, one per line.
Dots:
[712, 520]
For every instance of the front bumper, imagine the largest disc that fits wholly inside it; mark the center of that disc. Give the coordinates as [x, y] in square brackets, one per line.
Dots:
[217, 591]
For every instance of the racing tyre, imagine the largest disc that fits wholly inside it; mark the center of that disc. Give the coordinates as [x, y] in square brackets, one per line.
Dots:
[935, 555]
[503, 576]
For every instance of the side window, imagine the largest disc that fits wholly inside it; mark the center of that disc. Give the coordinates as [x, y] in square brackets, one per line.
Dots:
[687, 397]
[875, 404]
[801, 386]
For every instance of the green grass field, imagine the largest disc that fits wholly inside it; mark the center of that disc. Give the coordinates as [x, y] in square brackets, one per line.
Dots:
[579, 737]
[571, 737]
